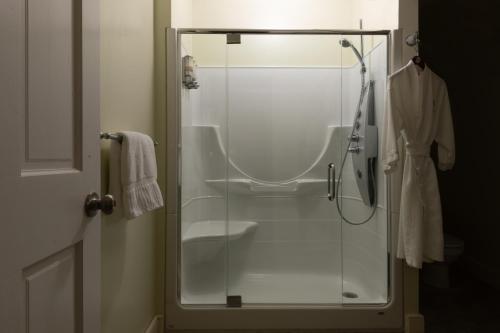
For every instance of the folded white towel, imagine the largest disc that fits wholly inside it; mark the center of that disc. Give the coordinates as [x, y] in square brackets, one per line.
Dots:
[133, 175]
[115, 175]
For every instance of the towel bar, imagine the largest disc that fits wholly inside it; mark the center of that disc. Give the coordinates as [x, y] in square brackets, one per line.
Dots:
[118, 137]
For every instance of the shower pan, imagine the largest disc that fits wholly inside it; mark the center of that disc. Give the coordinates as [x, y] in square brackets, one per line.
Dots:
[278, 126]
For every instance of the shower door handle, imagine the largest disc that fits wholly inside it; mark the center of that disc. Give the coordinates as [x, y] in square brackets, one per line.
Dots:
[331, 181]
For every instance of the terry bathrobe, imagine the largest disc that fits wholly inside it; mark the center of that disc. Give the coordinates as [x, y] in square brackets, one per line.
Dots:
[419, 112]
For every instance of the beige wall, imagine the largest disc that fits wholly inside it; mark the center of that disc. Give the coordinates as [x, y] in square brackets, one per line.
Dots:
[285, 14]
[273, 14]
[129, 253]
[376, 14]
[183, 10]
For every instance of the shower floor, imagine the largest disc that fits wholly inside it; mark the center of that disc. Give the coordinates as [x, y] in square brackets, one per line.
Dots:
[291, 288]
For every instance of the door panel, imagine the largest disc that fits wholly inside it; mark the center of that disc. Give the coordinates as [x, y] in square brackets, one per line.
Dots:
[53, 100]
[283, 99]
[203, 172]
[57, 278]
[364, 223]
[49, 141]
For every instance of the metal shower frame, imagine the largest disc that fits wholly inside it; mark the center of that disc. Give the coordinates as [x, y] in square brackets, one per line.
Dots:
[262, 316]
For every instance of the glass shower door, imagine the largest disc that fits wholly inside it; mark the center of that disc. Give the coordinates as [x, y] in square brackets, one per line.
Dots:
[264, 125]
[203, 203]
[363, 208]
[283, 130]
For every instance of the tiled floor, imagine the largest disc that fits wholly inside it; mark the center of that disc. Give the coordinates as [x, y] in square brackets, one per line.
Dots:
[468, 307]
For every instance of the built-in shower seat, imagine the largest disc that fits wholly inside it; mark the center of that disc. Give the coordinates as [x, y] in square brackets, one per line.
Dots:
[249, 186]
[217, 230]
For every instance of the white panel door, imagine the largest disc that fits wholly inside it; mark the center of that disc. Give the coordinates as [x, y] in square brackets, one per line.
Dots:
[49, 146]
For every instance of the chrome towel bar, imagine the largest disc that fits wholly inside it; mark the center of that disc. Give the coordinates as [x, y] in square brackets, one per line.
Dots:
[118, 137]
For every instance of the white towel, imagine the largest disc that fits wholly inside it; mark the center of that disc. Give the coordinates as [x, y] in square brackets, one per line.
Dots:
[115, 175]
[133, 175]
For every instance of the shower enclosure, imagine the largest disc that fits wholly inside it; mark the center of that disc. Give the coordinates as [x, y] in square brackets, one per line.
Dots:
[279, 198]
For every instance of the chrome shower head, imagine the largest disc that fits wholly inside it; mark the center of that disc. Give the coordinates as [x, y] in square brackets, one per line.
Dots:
[346, 43]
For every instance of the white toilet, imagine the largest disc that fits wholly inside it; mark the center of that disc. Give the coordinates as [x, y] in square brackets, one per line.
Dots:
[438, 274]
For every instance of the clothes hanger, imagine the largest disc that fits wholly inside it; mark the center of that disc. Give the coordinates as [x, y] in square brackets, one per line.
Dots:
[417, 60]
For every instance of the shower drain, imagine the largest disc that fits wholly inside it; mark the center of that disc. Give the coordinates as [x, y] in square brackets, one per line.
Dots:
[349, 294]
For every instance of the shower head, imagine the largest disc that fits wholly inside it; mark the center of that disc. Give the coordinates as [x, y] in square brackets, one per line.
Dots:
[346, 43]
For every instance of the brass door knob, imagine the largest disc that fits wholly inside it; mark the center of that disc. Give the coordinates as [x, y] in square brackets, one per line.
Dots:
[93, 203]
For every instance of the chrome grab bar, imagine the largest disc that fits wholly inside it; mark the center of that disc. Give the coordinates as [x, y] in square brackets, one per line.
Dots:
[331, 181]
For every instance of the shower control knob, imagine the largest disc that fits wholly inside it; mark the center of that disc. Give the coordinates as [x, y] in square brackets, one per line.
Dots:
[354, 149]
[353, 138]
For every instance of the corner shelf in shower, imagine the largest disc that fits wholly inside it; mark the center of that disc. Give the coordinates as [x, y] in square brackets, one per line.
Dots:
[217, 230]
[249, 186]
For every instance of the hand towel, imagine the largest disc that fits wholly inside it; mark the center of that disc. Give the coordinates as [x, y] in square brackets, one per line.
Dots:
[138, 189]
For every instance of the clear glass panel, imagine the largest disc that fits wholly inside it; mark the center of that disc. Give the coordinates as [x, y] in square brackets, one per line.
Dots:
[283, 101]
[363, 200]
[203, 169]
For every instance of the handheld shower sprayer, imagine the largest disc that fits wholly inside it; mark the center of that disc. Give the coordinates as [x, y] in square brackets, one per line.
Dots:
[346, 43]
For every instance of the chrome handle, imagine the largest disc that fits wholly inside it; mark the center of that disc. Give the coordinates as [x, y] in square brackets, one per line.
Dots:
[353, 138]
[93, 203]
[331, 181]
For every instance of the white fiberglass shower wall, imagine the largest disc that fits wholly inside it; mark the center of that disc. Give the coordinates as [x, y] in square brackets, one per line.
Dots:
[266, 116]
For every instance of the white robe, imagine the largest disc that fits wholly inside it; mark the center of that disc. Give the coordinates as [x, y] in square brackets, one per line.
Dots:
[419, 111]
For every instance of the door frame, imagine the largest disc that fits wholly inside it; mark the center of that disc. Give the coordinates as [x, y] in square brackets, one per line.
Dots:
[387, 317]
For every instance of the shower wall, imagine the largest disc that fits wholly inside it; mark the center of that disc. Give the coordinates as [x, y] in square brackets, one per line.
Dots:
[253, 105]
